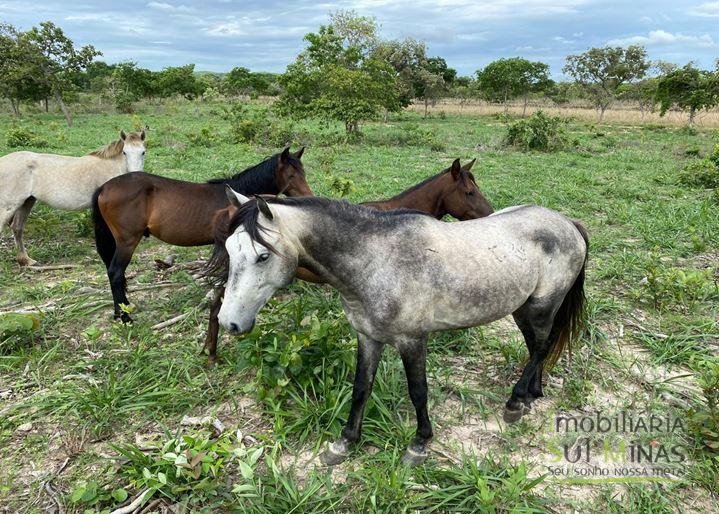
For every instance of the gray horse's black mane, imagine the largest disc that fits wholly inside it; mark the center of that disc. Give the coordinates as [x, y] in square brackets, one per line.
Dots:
[259, 178]
[247, 216]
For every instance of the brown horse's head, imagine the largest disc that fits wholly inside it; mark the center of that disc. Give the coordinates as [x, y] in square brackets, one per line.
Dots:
[461, 197]
[290, 175]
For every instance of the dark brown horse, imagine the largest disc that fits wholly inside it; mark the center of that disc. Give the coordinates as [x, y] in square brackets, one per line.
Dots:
[451, 192]
[181, 213]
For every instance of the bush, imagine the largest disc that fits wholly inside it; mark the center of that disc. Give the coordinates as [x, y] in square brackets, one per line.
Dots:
[206, 137]
[538, 132]
[18, 137]
[409, 134]
[677, 288]
[701, 172]
[124, 102]
[259, 127]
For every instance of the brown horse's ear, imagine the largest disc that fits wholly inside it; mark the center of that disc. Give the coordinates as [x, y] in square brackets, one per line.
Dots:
[234, 197]
[456, 170]
[123, 135]
[264, 208]
[285, 154]
[299, 153]
[469, 165]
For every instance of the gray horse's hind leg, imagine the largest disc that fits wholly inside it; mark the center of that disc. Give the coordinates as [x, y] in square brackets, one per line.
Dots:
[414, 358]
[535, 319]
[369, 353]
[18, 226]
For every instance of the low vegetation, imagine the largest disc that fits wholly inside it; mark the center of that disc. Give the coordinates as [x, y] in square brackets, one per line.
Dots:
[95, 414]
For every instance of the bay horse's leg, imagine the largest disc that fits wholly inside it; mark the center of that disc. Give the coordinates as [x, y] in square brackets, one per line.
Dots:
[369, 353]
[213, 328]
[414, 358]
[535, 320]
[116, 275]
[18, 225]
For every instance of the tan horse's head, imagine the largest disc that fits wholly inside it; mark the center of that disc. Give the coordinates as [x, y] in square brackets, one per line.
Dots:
[131, 147]
[133, 150]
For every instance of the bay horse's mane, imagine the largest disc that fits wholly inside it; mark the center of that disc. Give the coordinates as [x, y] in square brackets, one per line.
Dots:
[112, 150]
[247, 216]
[427, 181]
[260, 177]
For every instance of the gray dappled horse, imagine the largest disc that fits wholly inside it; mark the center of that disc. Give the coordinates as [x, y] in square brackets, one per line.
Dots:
[402, 275]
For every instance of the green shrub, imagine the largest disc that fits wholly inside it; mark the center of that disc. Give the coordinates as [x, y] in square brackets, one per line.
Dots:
[701, 172]
[538, 132]
[206, 137]
[19, 137]
[124, 102]
[408, 134]
[677, 287]
[704, 418]
[259, 126]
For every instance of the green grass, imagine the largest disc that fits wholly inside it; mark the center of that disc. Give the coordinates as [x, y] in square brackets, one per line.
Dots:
[81, 387]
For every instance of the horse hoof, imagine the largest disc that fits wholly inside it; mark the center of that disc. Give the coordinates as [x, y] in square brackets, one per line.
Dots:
[412, 458]
[333, 455]
[124, 317]
[26, 261]
[211, 362]
[512, 415]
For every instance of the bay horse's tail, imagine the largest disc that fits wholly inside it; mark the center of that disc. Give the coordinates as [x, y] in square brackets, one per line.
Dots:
[571, 316]
[104, 240]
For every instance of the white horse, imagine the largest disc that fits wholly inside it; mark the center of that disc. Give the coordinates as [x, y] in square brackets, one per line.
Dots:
[62, 181]
[402, 275]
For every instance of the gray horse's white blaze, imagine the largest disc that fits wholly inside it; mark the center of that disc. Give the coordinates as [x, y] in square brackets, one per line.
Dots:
[402, 275]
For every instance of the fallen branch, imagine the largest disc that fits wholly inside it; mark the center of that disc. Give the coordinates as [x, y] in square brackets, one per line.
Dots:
[53, 267]
[170, 321]
[53, 496]
[132, 506]
[154, 503]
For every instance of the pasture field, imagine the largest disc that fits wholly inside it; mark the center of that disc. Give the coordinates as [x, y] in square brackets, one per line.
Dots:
[94, 413]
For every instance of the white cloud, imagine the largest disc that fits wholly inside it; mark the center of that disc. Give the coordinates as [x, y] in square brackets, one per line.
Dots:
[232, 28]
[662, 37]
[163, 6]
[706, 9]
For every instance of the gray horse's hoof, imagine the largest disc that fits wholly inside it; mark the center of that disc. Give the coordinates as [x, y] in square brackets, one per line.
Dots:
[414, 457]
[334, 454]
[514, 415]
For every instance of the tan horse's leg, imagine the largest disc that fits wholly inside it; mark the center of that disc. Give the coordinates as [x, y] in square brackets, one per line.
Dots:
[18, 225]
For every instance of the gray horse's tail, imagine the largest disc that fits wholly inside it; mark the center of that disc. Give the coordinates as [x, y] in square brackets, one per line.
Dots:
[104, 240]
[571, 316]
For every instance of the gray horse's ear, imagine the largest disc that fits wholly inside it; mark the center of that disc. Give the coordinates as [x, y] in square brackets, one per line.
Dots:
[234, 197]
[455, 170]
[469, 165]
[142, 135]
[123, 135]
[264, 208]
[285, 154]
[299, 153]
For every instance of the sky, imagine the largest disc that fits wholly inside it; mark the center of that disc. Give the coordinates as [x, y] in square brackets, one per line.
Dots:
[266, 35]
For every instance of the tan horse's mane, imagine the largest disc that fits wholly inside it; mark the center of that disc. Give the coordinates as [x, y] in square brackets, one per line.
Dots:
[112, 150]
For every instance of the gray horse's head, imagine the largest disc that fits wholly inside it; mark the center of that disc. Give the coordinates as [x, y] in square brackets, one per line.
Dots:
[133, 150]
[261, 260]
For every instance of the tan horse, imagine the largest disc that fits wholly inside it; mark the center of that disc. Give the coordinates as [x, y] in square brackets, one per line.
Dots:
[61, 181]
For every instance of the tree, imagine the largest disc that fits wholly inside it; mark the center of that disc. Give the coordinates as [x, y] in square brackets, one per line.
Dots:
[179, 80]
[337, 78]
[689, 89]
[601, 71]
[53, 60]
[505, 79]
[237, 81]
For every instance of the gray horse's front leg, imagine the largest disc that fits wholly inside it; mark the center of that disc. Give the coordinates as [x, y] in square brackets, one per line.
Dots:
[414, 358]
[369, 353]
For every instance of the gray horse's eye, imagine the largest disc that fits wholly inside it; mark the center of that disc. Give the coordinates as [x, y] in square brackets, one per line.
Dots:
[263, 257]
[143, 152]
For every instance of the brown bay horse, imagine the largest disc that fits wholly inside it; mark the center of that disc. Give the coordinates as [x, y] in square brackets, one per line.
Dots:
[180, 213]
[452, 192]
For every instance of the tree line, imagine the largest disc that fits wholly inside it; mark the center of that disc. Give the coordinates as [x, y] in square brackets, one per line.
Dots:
[348, 73]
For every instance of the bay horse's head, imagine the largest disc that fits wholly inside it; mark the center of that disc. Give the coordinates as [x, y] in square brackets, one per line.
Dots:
[461, 197]
[259, 259]
[290, 175]
[133, 150]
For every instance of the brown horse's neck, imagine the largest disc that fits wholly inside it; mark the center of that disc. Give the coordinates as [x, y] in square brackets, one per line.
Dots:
[426, 197]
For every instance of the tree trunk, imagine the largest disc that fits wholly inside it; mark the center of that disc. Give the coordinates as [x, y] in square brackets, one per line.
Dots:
[524, 109]
[426, 106]
[692, 113]
[15, 107]
[506, 105]
[602, 108]
[47, 108]
[63, 108]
